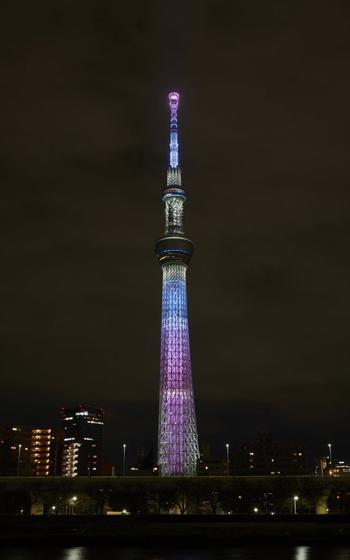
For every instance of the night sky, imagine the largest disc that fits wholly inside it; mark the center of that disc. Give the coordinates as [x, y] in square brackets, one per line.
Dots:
[264, 150]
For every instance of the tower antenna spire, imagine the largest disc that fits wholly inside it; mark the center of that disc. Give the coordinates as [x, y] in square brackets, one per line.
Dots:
[174, 98]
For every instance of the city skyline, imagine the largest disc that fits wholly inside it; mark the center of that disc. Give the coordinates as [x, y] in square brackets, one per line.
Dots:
[76, 448]
[264, 113]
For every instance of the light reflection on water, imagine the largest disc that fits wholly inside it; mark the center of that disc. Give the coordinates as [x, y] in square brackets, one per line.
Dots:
[75, 553]
[233, 553]
[302, 553]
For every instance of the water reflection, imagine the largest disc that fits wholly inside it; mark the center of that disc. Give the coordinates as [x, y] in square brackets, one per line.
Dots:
[232, 553]
[301, 553]
[75, 553]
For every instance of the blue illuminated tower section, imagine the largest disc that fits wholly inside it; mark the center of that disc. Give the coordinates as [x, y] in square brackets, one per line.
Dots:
[178, 449]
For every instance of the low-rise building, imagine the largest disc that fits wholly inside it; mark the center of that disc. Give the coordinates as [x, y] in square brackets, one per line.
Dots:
[265, 456]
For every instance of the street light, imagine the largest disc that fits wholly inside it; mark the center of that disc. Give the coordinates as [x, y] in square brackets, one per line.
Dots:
[19, 457]
[73, 502]
[295, 499]
[124, 457]
[330, 453]
[228, 458]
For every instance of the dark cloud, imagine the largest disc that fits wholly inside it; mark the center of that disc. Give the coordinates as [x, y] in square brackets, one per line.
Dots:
[264, 149]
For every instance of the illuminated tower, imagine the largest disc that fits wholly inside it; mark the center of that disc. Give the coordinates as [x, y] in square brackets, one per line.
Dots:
[178, 450]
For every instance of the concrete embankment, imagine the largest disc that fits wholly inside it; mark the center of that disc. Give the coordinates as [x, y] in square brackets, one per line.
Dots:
[179, 530]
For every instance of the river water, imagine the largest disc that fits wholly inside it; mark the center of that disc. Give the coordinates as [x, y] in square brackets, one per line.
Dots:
[232, 553]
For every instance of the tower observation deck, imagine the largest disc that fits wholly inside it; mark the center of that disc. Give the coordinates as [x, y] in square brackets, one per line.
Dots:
[178, 449]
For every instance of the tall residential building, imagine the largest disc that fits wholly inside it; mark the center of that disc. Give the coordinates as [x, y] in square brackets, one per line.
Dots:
[82, 428]
[45, 451]
[178, 450]
[27, 451]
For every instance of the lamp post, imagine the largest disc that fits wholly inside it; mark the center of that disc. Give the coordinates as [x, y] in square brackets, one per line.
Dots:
[228, 458]
[124, 457]
[72, 504]
[295, 499]
[19, 458]
[330, 453]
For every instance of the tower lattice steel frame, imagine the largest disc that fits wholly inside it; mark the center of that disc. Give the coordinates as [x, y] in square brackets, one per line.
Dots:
[178, 449]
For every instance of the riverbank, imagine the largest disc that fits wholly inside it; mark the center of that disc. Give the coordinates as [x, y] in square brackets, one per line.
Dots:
[187, 530]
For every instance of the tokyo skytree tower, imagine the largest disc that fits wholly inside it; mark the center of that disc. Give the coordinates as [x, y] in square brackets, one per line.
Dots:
[178, 449]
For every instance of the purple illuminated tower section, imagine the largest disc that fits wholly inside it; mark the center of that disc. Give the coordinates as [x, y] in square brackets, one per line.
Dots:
[178, 449]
